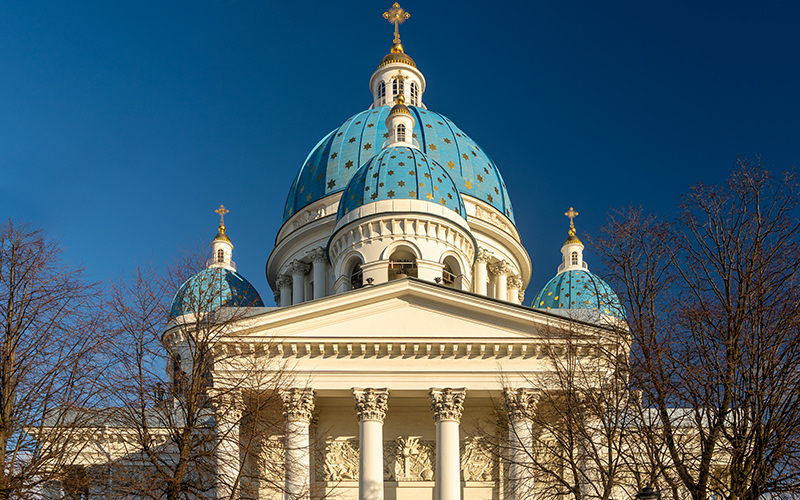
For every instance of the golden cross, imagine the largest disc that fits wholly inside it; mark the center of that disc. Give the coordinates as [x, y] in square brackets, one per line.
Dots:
[397, 16]
[571, 214]
[221, 211]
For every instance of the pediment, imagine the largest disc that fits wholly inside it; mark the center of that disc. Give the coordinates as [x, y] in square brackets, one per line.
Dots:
[407, 309]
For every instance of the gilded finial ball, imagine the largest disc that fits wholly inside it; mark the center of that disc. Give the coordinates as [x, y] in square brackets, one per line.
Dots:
[400, 99]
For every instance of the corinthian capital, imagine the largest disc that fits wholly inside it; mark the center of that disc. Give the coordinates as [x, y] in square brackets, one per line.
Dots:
[515, 282]
[284, 280]
[298, 403]
[447, 404]
[297, 267]
[318, 255]
[371, 404]
[520, 403]
[483, 256]
[501, 268]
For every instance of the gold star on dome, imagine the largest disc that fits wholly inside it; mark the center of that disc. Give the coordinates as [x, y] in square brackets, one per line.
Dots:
[429, 196]
[397, 16]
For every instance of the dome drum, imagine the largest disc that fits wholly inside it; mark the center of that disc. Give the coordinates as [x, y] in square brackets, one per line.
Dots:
[386, 243]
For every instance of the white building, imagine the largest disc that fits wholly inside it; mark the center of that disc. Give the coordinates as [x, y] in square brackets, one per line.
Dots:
[399, 279]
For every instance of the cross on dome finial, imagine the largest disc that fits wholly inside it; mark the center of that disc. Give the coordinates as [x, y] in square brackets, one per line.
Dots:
[397, 16]
[222, 211]
[571, 213]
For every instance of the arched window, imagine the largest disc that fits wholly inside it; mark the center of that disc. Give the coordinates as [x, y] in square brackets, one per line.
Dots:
[220, 255]
[178, 376]
[451, 273]
[397, 87]
[356, 277]
[574, 258]
[414, 94]
[402, 264]
[382, 93]
[400, 134]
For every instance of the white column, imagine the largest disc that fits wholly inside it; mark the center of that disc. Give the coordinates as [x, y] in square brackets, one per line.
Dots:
[501, 270]
[447, 406]
[320, 260]
[227, 417]
[514, 287]
[520, 405]
[298, 405]
[480, 270]
[284, 283]
[298, 271]
[371, 405]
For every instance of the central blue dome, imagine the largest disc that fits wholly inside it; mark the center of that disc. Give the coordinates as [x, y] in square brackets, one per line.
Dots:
[211, 289]
[335, 159]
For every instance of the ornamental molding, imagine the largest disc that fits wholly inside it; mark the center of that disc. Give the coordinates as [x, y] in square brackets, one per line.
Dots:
[412, 459]
[478, 460]
[520, 403]
[298, 404]
[371, 404]
[447, 404]
[491, 217]
[309, 215]
[339, 459]
[476, 349]
[409, 228]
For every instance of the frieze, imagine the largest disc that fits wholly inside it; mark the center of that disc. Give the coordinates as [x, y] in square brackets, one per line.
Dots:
[340, 459]
[310, 215]
[413, 458]
[478, 460]
[490, 217]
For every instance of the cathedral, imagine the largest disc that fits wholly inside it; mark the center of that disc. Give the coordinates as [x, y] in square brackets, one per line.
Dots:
[401, 313]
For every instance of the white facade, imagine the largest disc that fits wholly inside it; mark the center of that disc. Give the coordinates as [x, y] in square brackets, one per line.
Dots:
[402, 326]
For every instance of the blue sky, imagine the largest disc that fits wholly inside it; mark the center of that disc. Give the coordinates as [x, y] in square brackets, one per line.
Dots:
[123, 125]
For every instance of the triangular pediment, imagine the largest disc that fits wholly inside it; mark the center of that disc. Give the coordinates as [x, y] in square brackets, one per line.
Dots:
[407, 309]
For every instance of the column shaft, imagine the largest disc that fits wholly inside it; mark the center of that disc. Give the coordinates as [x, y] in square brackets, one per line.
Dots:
[297, 288]
[297, 410]
[319, 279]
[370, 463]
[285, 287]
[481, 273]
[371, 405]
[447, 406]
[448, 466]
[228, 461]
[520, 405]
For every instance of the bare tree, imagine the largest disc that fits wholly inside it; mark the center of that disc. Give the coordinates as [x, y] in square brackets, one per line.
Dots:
[49, 363]
[713, 303]
[581, 428]
[188, 409]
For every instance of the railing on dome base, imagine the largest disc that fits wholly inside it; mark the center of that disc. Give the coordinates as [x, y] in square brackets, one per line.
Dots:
[561, 266]
[357, 279]
[220, 263]
[400, 269]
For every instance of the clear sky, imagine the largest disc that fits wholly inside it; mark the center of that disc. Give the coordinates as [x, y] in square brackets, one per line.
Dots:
[124, 124]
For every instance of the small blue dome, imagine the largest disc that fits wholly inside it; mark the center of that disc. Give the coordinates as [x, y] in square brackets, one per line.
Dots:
[211, 289]
[579, 289]
[397, 173]
[335, 159]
